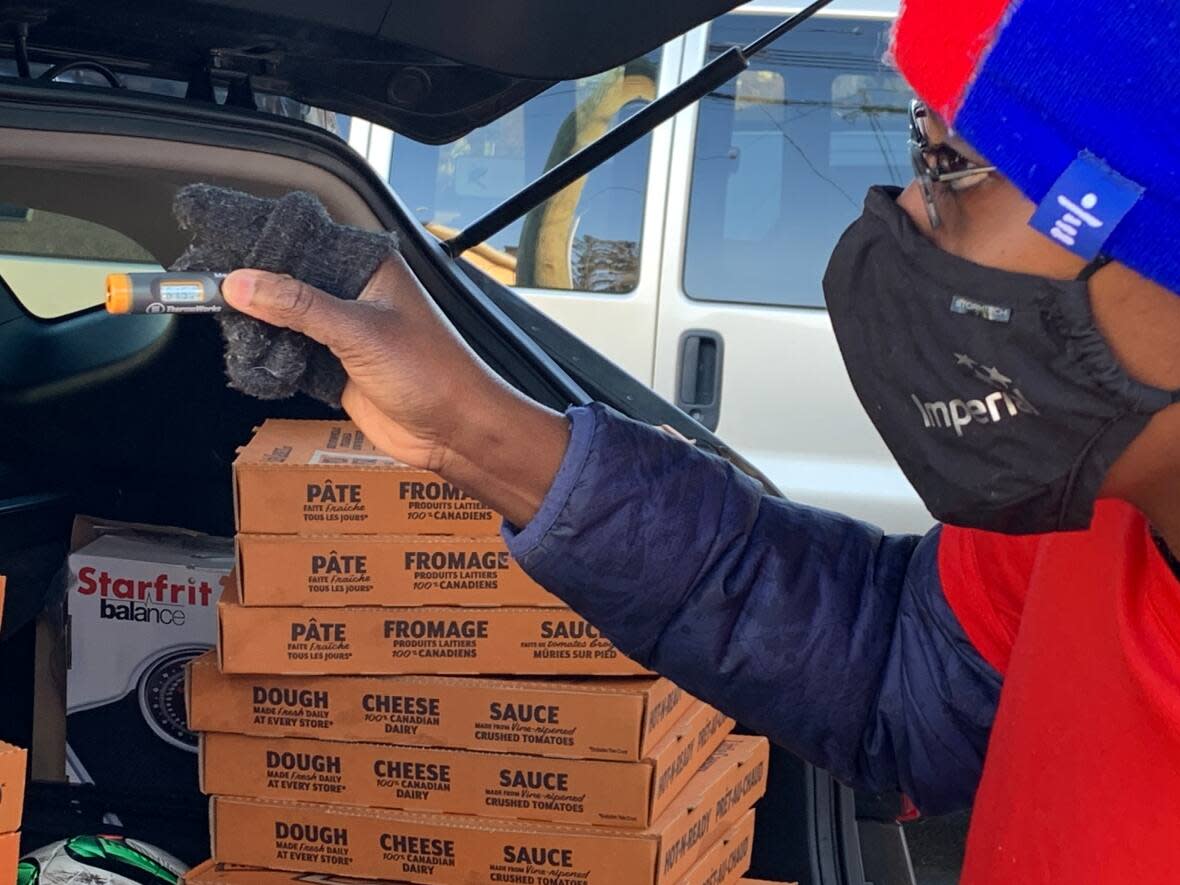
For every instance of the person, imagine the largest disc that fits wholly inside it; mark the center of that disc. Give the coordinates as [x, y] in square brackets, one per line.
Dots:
[1010, 322]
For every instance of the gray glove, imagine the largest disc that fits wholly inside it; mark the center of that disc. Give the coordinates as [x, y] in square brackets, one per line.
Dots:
[292, 235]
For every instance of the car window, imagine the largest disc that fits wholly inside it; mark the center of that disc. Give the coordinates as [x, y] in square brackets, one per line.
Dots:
[587, 237]
[784, 154]
[56, 264]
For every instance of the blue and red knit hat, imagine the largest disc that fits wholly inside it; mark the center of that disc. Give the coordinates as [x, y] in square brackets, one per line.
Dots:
[1078, 104]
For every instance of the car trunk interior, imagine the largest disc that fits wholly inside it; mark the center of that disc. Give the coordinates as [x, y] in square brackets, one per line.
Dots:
[147, 438]
[145, 429]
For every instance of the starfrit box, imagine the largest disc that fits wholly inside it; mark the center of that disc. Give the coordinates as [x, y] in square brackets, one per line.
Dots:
[325, 477]
[393, 570]
[9, 855]
[578, 791]
[724, 863]
[501, 641]
[617, 719]
[12, 787]
[142, 601]
[427, 848]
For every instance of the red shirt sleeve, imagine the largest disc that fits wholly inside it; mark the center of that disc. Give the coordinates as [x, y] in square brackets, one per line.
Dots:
[985, 577]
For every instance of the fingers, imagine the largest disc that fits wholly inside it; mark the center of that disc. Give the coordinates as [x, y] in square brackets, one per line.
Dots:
[284, 301]
[351, 329]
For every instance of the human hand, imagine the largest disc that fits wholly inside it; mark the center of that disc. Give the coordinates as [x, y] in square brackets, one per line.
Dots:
[414, 386]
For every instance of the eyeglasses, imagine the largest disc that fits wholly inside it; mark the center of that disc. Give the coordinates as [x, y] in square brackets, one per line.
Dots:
[938, 163]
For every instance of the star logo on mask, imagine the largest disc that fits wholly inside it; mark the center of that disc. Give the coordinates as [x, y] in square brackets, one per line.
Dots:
[993, 376]
[997, 379]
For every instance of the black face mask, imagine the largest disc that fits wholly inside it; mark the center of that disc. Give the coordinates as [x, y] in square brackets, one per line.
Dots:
[994, 390]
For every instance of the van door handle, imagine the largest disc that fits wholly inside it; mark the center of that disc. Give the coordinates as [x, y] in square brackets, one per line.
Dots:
[698, 376]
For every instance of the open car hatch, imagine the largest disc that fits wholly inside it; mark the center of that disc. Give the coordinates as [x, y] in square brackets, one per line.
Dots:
[432, 71]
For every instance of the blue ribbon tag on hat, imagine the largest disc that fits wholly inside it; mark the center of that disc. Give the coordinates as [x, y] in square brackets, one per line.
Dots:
[1085, 205]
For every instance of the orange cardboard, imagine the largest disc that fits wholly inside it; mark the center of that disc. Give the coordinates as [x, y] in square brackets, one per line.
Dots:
[325, 477]
[578, 791]
[12, 800]
[394, 570]
[501, 641]
[12, 787]
[724, 863]
[9, 855]
[209, 872]
[676, 759]
[424, 848]
[617, 719]
[727, 784]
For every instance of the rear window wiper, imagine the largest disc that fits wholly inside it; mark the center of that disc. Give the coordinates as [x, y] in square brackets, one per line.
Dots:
[722, 69]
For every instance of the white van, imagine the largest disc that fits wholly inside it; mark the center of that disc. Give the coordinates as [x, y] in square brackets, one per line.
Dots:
[693, 258]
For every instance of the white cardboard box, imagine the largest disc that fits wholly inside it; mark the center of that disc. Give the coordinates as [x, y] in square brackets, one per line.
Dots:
[141, 603]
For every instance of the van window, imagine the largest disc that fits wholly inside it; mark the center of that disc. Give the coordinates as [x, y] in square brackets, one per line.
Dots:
[587, 237]
[56, 264]
[784, 154]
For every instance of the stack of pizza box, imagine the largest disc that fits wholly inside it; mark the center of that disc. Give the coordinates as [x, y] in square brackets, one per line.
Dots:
[393, 698]
[12, 797]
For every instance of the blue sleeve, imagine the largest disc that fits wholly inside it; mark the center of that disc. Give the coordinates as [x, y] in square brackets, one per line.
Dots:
[814, 629]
